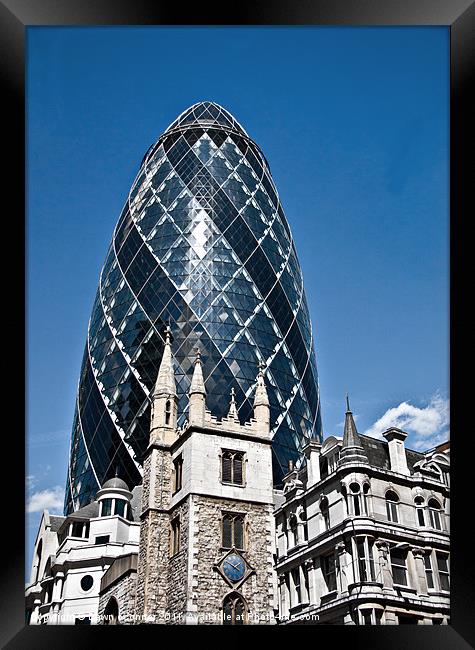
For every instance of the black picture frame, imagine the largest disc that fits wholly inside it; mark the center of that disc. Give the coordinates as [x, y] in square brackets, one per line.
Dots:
[459, 15]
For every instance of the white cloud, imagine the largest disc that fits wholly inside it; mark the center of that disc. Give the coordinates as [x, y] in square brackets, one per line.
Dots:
[428, 425]
[50, 499]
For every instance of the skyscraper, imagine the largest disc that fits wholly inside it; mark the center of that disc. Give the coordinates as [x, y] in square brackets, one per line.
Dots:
[203, 246]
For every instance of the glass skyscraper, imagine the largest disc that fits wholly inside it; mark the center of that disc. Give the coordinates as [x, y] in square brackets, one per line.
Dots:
[202, 245]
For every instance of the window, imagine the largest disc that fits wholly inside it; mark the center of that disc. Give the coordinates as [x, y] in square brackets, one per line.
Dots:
[106, 507]
[325, 512]
[296, 582]
[178, 465]
[79, 529]
[328, 570]
[435, 514]
[232, 531]
[392, 500]
[168, 411]
[324, 467]
[365, 561]
[419, 503]
[87, 582]
[102, 539]
[234, 610]
[111, 612]
[175, 536]
[443, 570]
[365, 498]
[120, 507]
[354, 499]
[398, 566]
[366, 616]
[429, 571]
[232, 467]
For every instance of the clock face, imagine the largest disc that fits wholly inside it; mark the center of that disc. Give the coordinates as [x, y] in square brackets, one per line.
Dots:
[234, 567]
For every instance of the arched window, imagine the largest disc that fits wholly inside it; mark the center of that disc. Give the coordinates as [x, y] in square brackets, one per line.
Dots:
[355, 499]
[419, 503]
[325, 512]
[168, 411]
[366, 488]
[234, 610]
[392, 501]
[232, 531]
[435, 514]
[111, 612]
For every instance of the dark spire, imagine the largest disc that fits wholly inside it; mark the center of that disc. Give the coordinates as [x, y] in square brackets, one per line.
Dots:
[351, 449]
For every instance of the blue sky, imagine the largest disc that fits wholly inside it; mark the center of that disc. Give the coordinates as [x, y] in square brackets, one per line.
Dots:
[354, 124]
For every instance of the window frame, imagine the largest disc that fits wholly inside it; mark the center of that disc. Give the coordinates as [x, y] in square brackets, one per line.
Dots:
[225, 514]
[177, 474]
[235, 453]
[400, 567]
[392, 507]
[440, 555]
[234, 597]
[175, 536]
[328, 567]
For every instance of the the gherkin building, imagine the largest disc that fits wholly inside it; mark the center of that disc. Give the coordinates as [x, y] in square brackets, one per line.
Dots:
[202, 245]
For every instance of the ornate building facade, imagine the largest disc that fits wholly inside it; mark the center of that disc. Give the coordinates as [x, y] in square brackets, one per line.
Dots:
[359, 535]
[363, 533]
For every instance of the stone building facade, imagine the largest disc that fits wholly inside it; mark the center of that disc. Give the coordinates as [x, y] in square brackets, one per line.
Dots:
[207, 527]
[363, 533]
[359, 534]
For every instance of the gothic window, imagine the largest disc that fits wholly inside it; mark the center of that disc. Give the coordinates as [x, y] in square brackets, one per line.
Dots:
[419, 503]
[435, 514]
[398, 566]
[443, 570]
[232, 531]
[178, 473]
[111, 612]
[234, 610]
[392, 500]
[168, 411]
[329, 571]
[232, 467]
[175, 536]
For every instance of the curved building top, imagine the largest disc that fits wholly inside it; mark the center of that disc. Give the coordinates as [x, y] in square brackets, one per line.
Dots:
[203, 246]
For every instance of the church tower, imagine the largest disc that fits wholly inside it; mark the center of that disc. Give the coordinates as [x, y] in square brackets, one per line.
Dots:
[207, 525]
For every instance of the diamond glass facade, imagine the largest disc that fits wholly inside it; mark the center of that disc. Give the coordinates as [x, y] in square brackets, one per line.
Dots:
[202, 244]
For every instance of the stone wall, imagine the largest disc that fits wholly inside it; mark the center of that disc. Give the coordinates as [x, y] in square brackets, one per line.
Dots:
[123, 590]
[154, 549]
[178, 569]
[209, 587]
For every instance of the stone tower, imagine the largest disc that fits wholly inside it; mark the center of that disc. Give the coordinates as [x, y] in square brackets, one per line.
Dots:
[207, 525]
